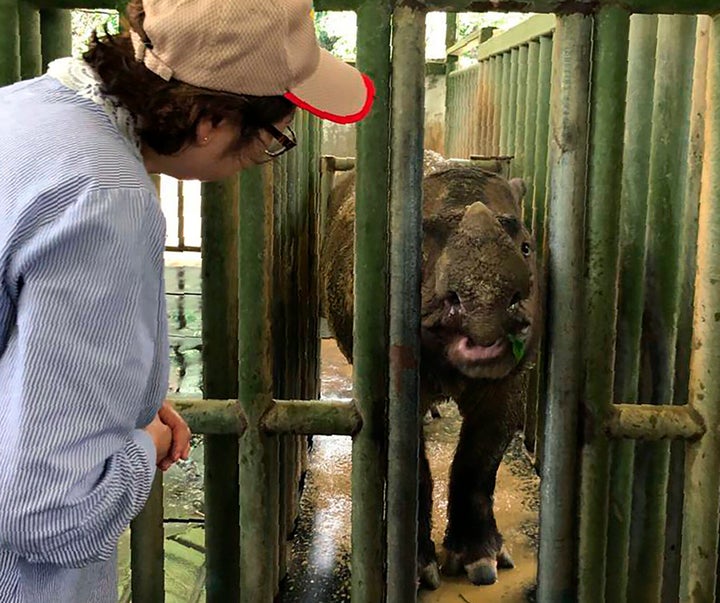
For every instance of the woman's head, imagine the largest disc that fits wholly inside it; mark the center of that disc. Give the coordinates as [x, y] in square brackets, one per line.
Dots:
[211, 83]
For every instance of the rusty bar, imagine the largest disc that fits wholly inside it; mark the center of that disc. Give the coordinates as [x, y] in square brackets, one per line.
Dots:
[568, 154]
[633, 215]
[607, 124]
[702, 487]
[654, 422]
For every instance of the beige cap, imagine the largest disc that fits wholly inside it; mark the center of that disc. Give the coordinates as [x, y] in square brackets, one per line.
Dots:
[254, 47]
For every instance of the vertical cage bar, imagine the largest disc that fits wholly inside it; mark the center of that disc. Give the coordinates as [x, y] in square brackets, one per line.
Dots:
[146, 548]
[688, 255]
[9, 42]
[405, 266]
[512, 101]
[370, 329]
[497, 104]
[607, 123]
[56, 34]
[220, 224]
[568, 153]
[518, 166]
[505, 105]
[539, 226]
[482, 108]
[668, 170]
[529, 109]
[181, 214]
[700, 523]
[633, 213]
[258, 475]
[30, 47]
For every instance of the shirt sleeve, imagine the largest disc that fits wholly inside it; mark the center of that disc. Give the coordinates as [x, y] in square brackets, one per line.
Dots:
[81, 361]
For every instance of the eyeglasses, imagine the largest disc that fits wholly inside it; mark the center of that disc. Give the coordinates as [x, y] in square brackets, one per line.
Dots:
[282, 143]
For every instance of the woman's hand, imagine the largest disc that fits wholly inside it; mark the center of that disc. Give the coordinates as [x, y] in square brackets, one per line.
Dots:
[180, 448]
[161, 436]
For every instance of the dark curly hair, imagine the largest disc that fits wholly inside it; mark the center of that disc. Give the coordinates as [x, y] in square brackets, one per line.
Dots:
[168, 112]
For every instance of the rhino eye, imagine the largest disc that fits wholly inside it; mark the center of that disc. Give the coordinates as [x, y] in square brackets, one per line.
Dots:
[525, 248]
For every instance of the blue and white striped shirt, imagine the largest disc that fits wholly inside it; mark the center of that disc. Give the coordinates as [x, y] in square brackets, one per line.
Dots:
[83, 343]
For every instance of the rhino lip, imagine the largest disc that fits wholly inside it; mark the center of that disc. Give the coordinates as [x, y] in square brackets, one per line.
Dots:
[464, 349]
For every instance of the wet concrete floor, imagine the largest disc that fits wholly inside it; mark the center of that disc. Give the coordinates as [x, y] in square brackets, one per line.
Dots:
[319, 570]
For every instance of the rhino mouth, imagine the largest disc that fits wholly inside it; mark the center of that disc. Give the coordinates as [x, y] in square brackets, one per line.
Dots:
[464, 350]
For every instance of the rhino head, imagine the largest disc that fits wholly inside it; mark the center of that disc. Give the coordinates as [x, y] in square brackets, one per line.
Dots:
[480, 305]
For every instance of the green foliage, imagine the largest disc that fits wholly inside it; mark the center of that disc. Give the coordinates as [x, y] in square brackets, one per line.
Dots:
[85, 22]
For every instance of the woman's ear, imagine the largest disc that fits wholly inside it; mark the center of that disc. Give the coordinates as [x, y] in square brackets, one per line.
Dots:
[204, 131]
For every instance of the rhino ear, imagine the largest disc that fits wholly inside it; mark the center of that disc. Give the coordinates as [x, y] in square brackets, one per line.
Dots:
[517, 185]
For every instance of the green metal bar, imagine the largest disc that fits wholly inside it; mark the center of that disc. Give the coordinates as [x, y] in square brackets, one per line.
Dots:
[633, 212]
[258, 451]
[9, 42]
[568, 152]
[56, 35]
[220, 224]
[497, 93]
[30, 49]
[450, 39]
[668, 167]
[505, 105]
[653, 422]
[529, 108]
[326, 417]
[673, 529]
[406, 196]
[370, 329]
[561, 7]
[482, 107]
[607, 124]
[519, 167]
[532, 29]
[539, 225]
[146, 548]
[512, 101]
[702, 485]
[211, 417]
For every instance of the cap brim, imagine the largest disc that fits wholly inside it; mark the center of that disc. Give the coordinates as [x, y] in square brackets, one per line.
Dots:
[335, 91]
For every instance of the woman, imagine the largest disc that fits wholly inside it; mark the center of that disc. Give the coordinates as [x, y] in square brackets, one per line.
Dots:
[198, 89]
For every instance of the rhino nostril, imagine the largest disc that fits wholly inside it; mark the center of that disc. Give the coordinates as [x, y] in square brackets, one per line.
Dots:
[452, 299]
[516, 299]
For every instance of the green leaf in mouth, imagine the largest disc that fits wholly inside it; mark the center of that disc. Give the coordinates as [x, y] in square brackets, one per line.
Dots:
[518, 347]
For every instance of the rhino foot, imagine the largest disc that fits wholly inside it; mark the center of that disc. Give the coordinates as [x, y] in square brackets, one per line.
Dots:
[479, 571]
[429, 575]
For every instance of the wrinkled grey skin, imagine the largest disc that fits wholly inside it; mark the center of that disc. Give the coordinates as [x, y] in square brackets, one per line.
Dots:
[479, 292]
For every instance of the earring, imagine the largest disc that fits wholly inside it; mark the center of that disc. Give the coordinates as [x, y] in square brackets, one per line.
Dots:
[205, 140]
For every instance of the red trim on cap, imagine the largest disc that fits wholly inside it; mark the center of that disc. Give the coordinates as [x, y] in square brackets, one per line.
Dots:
[340, 119]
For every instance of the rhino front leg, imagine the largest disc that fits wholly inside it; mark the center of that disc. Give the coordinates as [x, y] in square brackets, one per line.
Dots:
[472, 540]
[428, 572]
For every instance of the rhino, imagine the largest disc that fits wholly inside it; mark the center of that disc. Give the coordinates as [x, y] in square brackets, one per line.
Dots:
[480, 318]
